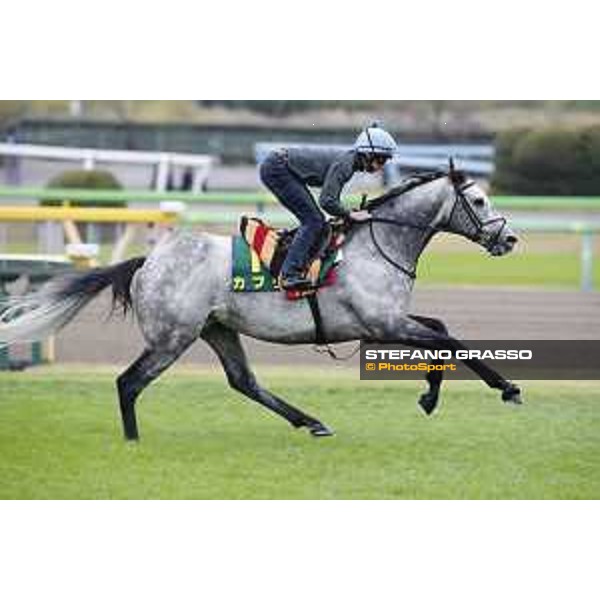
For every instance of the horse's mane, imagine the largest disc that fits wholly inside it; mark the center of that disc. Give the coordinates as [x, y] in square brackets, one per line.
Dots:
[410, 183]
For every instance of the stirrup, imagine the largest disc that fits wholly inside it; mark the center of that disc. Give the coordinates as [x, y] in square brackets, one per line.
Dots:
[295, 282]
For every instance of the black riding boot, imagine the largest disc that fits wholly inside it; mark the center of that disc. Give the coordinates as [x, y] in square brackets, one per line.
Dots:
[299, 254]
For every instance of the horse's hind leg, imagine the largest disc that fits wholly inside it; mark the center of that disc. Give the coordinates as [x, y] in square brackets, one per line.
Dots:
[429, 400]
[137, 376]
[226, 343]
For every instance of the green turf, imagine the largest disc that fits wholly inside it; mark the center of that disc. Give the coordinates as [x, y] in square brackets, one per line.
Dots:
[558, 270]
[472, 267]
[60, 438]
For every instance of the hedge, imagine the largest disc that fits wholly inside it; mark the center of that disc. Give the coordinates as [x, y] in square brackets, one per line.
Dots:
[551, 161]
[89, 180]
[85, 180]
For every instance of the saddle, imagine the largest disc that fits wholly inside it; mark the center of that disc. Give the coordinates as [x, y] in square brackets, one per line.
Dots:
[260, 250]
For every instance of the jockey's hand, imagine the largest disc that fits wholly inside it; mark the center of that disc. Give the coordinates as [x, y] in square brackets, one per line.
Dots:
[360, 216]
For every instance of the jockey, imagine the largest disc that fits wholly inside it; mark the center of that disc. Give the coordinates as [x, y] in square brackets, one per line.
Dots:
[288, 172]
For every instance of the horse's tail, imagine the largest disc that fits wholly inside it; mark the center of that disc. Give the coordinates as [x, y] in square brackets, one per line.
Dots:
[35, 316]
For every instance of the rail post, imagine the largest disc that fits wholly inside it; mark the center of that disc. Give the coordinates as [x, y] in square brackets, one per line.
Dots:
[4, 352]
[587, 261]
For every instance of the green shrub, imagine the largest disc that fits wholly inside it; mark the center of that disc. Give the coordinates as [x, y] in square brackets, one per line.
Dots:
[550, 161]
[85, 180]
[89, 180]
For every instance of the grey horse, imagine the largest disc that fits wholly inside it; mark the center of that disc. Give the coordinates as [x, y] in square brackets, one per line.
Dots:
[182, 291]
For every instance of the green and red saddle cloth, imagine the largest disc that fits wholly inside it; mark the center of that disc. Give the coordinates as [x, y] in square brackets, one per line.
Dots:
[258, 254]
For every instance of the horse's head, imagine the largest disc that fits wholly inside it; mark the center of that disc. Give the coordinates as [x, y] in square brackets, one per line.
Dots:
[468, 212]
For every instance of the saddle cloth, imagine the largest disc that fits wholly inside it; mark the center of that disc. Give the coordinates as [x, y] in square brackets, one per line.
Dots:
[259, 251]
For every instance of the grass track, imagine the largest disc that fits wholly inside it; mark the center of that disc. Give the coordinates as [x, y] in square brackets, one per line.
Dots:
[60, 438]
[551, 270]
[550, 261]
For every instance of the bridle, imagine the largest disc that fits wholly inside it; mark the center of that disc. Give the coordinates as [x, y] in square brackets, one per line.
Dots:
[480, 228]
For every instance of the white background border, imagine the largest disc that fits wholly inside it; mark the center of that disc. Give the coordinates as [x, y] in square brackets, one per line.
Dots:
[275, 550]
[456, 49]
[261, 49]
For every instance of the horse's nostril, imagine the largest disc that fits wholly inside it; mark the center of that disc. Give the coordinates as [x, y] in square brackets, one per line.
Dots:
[511, 239]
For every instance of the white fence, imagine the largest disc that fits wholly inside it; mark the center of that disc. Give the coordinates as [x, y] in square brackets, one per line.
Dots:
[200, 164]
[475, 159]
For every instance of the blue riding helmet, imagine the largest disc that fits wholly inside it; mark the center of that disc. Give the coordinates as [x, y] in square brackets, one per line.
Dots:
[374, 141]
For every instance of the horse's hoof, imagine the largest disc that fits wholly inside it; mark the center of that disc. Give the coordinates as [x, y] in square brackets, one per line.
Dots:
[512, 394]
[428, 402]
[320, 430]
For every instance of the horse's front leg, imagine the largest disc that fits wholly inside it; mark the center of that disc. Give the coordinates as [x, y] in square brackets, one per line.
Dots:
[412, 332]
[429, 400]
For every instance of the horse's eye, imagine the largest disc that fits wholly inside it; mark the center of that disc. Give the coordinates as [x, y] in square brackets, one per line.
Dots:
[479, 202]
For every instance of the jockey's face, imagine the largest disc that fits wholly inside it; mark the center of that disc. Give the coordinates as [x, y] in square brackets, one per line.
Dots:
[375, 164]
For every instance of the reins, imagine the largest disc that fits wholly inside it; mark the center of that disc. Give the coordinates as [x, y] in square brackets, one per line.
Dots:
[414, 182]
[459, 199]
[321, 344]
[370, 205]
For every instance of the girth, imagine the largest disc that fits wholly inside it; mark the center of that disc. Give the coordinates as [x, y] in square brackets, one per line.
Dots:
[313, 303]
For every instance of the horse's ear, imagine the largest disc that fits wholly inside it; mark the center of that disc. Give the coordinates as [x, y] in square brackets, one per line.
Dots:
[456, 177]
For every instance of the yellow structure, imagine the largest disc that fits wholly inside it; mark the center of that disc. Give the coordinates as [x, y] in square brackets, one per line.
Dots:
[86, 215]
[167, 215]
